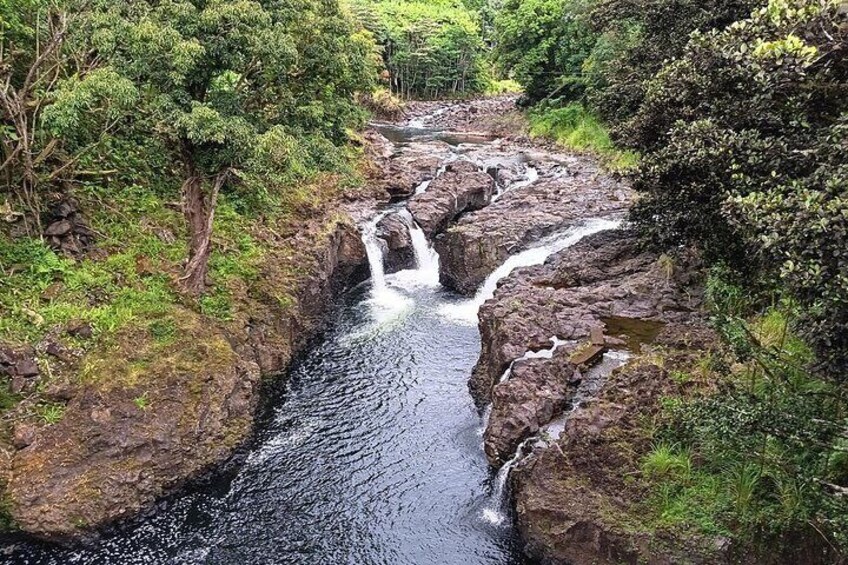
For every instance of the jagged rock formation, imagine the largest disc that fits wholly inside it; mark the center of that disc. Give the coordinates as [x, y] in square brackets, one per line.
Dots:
[481, 241]
[462, 187]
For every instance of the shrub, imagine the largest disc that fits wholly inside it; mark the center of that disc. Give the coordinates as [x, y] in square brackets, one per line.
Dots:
[744, 141]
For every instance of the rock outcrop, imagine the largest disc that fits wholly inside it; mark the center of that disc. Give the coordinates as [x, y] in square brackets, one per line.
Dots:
[400, 169]
[462, 187]
[399, 253]
[536, 391]
[149, 415]
[603, 278]
[574, 502]
[565, 196]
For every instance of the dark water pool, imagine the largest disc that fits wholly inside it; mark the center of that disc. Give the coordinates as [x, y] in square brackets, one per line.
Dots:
[371, 455]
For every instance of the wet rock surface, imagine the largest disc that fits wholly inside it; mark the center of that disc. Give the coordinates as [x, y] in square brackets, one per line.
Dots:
[536, 391]
[574, 504]
[466, 115]
[462, 187]
[401, 168]
[398, 254]
[604, 275]
[566, 194]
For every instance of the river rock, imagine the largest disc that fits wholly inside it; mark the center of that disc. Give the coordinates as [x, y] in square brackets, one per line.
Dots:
[536, 392]
[462, 187]
[480, 114]
[24, 435]
[399, 253]
[605, 275]
[399, 169]
[574, 501]
[67, 229]
[481, 241]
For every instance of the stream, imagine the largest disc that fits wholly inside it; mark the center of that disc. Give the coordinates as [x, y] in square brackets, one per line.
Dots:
[370, 454]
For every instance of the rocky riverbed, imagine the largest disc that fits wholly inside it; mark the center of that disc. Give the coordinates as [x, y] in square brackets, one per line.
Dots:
[530, 243]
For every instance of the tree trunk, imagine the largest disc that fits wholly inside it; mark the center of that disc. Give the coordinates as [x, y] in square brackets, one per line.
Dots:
[199, 211]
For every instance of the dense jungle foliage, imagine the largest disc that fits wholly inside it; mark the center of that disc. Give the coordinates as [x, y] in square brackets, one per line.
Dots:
[432, 49]
[737, 110]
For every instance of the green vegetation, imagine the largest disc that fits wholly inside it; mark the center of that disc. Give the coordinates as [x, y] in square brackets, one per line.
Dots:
[762, 460]
[50, 413]
[738, 111]
[184, 141]
[575, 128]
[431, 49]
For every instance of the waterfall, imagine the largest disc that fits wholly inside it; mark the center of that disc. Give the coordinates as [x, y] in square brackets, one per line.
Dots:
[426, 272]
[496, 512]
[375, 255]
[467, 311]
[422, 188]
[385, 302]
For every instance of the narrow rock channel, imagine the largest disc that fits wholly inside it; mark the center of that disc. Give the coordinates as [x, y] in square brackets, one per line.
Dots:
[372, 453]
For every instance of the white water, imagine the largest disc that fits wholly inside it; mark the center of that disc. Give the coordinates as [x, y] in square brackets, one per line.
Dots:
[385, 302]
[466, 312]
[592, 382]
[426, 272]
[496, 512]
[540, 354]
[422, 188]
[530, 176]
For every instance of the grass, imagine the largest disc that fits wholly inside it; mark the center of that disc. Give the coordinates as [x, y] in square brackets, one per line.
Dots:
[50, 413]
[142, 402]
[506, 86]
[576, 128]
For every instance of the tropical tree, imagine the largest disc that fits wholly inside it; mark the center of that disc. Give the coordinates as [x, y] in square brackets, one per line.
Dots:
[51, 85]
[239, 91]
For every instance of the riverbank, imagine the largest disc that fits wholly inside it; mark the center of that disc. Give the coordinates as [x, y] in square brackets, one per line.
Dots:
[111, 418]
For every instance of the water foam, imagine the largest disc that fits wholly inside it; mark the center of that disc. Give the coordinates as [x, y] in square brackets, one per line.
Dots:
[466, 312]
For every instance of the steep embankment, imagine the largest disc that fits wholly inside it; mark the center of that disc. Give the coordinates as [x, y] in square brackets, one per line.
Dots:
[143, 410]
[112, 454]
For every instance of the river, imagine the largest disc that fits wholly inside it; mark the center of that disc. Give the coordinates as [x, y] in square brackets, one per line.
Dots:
[370, 454]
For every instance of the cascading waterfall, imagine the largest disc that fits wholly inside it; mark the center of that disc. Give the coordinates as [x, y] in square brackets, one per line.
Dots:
[426, 272]
[385, 302]
[496, 512]
[426, 258]
[375, 255]
[467, 311]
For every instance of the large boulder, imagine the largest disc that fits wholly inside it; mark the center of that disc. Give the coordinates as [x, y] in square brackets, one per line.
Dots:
[462, 187]
[536, 391]
[400, 169]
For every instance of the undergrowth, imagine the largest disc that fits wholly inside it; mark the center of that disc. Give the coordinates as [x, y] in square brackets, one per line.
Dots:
[761, 458]
[576, 128]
